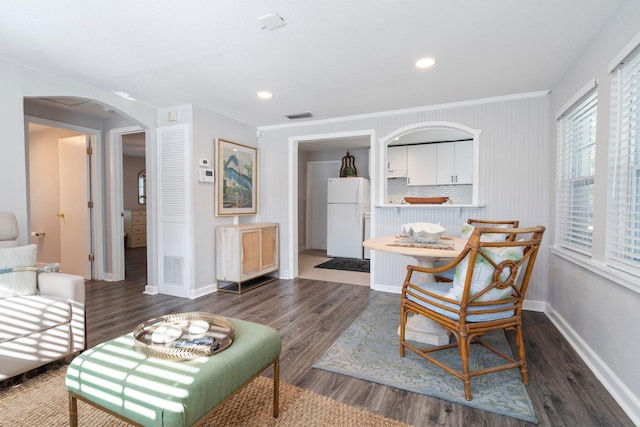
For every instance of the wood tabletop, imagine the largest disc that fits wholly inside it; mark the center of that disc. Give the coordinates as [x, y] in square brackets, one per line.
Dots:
[396, 244]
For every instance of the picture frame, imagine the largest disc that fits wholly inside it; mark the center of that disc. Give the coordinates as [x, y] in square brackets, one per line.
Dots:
[236, 179]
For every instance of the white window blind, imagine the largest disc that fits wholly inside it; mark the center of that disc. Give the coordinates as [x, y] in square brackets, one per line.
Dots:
[576, 170]
[623, 213]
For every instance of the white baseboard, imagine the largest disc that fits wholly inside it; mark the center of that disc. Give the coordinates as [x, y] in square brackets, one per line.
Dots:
[616, 387]
[386, 288]
[205, 290]
[533, 305]
[151, 290]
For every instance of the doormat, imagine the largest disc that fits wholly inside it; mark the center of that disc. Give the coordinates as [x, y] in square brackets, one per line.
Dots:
[346, 264]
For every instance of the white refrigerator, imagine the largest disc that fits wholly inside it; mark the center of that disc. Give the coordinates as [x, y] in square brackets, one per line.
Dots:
[347, 203]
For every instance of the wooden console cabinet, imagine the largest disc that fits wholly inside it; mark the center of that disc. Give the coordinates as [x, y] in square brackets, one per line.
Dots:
[245, 254]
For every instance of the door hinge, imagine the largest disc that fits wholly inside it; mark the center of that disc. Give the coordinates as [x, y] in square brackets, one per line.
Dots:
[91, 257]
[89, 151]
[90, 204]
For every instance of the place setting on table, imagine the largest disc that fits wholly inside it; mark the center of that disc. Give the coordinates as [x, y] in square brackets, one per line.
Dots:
[423, 241]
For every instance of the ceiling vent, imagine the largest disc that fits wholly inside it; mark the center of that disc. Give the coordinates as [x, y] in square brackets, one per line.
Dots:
[298, 116]
[271, 21]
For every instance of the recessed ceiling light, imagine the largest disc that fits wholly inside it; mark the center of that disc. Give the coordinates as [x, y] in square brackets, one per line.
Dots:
[263, 94]
[124, 95]
[425, 62]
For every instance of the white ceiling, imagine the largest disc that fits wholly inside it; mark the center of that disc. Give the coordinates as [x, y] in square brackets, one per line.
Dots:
[333, 58]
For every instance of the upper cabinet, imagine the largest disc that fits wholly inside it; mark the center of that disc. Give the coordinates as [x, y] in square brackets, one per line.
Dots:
[455, 162]
[447, 163]
[431, 154]
[422, 163]
[396, 162]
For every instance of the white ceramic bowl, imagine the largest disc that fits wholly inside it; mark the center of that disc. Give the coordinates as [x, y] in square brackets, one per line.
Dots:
[423, 232]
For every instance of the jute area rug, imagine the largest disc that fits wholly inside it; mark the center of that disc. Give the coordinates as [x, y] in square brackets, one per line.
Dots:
[369, 349]
[43, 401]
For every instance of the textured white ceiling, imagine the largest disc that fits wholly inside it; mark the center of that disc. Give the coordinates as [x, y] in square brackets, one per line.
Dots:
[333, 58]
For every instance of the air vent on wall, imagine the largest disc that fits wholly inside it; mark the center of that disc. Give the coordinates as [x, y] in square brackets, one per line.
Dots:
[298, 116]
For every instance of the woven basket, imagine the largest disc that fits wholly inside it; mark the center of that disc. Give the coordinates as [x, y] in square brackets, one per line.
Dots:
[220, 329]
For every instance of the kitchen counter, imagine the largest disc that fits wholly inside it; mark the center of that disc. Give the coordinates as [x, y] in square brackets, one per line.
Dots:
[441, 206]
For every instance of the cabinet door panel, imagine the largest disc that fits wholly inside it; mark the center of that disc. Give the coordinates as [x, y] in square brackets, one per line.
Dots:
[268, 247]
[396, 162]
[421, 164]
[455, 163]
[464, 162]
[446, 163]
[250, 252]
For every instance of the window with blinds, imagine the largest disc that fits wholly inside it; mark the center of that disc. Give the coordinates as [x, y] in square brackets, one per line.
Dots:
[576, 171]
[623, 213]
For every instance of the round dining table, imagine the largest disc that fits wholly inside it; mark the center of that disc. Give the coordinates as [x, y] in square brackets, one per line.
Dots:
[419, 328]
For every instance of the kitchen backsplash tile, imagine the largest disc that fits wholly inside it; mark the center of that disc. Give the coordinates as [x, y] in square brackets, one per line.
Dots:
[397, 189]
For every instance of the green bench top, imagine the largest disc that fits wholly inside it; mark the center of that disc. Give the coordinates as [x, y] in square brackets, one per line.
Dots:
[162, 392]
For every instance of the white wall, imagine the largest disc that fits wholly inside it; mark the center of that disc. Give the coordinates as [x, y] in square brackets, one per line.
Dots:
[599, 316]
[513, 176]
[209, 126]
[13, 197]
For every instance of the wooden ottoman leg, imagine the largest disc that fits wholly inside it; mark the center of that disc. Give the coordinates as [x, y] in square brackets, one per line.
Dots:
[73, 411]
[276, 387]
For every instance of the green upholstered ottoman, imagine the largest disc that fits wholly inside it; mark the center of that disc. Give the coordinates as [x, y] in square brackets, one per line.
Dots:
[117, 378]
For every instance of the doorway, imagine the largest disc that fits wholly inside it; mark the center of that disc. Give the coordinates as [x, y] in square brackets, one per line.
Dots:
[134, 201]
[60, 197]
[316, 150]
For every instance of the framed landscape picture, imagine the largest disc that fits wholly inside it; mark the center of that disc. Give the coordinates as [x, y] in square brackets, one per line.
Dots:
[236, 185]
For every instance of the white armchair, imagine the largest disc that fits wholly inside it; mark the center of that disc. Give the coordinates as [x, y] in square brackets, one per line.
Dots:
[42, 316]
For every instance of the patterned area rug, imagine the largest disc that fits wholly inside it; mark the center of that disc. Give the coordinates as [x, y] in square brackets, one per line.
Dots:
[369, 350]
[346, 264]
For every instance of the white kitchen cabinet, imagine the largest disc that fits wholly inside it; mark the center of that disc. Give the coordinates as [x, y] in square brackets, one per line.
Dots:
[422, 164]
[397, 161]
[245, 252]
[455, 163]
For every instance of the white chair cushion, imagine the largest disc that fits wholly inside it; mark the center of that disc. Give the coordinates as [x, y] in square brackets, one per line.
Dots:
[483, 273]
[465, 233]
[19, 282]
[443, 289]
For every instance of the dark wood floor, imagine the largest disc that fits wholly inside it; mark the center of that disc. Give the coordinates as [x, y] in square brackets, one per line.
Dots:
[310, 315]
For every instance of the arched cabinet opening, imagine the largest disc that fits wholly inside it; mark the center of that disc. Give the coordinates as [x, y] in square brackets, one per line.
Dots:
[430, 160]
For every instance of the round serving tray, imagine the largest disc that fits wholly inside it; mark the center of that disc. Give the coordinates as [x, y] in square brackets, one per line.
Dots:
[183, 335]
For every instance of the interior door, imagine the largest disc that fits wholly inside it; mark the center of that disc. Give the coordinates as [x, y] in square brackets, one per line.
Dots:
[318, 173]
[74, 214]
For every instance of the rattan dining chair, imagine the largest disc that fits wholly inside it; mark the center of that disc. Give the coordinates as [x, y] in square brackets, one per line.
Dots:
[486, 295]
[467, 229]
